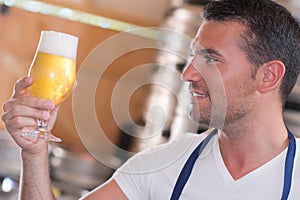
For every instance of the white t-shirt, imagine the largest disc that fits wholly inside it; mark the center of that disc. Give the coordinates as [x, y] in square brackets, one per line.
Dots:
[152, 174]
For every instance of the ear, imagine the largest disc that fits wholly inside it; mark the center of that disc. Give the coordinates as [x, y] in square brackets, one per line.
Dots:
[270, 76]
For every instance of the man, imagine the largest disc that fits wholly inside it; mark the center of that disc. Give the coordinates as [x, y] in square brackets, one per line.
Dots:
[255, 48]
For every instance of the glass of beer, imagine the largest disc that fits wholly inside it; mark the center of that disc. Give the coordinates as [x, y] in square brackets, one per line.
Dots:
[54, 72]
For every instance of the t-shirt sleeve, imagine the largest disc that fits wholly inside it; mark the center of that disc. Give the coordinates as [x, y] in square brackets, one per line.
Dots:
[136, 176]
[132, 180]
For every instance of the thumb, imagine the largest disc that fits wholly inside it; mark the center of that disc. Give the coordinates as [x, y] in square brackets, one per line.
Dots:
[53, 116]
[21, 86]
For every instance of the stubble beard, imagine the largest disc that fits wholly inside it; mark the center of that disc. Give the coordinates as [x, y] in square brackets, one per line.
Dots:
[200, 115]
[229, 116]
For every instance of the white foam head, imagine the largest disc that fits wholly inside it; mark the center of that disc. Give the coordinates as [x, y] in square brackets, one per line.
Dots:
[57, 43]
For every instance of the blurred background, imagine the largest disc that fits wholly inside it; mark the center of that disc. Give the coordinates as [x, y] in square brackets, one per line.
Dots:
[75, 169]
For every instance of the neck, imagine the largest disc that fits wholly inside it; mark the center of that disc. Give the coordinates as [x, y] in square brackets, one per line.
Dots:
[248, 144]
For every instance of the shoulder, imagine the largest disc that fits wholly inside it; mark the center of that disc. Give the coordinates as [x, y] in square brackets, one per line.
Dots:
[164, 155]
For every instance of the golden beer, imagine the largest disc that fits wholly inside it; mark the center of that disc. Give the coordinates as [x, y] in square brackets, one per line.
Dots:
[53, 71]
[53, 76]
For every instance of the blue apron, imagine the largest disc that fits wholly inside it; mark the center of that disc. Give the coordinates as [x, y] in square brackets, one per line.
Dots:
[188, 167]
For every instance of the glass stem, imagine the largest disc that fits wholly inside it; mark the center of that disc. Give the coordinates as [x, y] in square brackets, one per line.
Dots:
[42, 125]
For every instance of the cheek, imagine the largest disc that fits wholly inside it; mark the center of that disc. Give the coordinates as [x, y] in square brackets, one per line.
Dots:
[241, 89]
[241, 80]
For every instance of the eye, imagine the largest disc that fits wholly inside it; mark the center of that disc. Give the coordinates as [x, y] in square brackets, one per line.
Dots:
[210, 59]
[191, 53]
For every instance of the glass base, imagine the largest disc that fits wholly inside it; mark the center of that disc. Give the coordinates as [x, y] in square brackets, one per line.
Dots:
[41, 133]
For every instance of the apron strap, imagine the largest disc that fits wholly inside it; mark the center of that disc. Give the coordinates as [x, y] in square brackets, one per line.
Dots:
[289, 164]
[188, 167]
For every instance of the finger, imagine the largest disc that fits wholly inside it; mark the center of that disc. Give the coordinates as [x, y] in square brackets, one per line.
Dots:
[75, 84]
[29, 101]
[26, 143]
[18, 124]
[25, 111]
[21, 86]
[36, 102]
[54, 113]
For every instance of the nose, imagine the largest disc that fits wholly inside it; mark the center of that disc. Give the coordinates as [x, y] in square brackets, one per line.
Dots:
[191, 74]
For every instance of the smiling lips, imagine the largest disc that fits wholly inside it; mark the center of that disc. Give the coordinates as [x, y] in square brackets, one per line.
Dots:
[197, 92]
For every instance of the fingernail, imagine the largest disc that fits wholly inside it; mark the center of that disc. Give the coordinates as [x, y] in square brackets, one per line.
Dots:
[28, 80]
[50, 105]
[45, 115]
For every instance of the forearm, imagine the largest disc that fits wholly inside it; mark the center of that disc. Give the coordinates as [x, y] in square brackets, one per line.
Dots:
[35, 181]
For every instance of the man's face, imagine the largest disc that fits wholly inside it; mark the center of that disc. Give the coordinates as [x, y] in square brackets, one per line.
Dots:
[222, 80]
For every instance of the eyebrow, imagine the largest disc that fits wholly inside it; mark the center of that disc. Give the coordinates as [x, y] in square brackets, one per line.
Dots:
[204, 51]
[209, 51]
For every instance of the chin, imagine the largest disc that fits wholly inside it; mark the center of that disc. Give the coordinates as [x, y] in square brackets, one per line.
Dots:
[203, 119]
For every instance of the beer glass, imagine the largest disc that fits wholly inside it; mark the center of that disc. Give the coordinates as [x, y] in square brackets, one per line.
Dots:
[53, 70]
